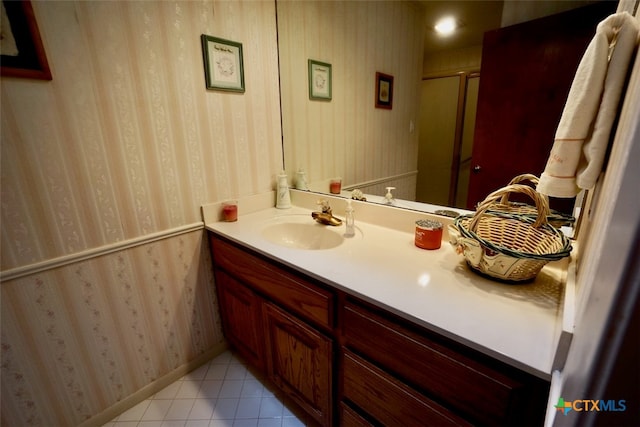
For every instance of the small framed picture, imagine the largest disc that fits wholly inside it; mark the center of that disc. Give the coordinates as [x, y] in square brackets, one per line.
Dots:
[319, 80]
[223, 66]
[384, 91]
[22, 51]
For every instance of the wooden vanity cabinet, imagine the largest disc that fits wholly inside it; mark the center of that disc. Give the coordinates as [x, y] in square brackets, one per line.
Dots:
[280, 323]
[430, 377]
[348, 362]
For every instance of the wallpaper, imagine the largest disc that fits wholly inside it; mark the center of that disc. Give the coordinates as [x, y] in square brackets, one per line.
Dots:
[126, 140]
[106, 277]
[79, 338]
[347, 136]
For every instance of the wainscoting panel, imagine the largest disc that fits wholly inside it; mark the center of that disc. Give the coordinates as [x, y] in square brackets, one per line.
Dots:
[79, 338]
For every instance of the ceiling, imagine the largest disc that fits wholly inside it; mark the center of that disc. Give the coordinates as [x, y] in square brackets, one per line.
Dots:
[475, 18]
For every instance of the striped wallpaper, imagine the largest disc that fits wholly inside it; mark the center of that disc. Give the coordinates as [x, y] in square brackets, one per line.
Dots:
[121, 148]
[348, 137]
[126, 140]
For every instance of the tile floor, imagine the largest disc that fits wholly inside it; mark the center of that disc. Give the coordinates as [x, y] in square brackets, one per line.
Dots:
[221, 393]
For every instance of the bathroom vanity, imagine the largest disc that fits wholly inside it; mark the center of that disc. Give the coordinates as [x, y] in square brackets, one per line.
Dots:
[376, 331]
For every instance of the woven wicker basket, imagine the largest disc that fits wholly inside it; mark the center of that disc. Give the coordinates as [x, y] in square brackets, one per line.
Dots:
[506, 245]
[555, 218]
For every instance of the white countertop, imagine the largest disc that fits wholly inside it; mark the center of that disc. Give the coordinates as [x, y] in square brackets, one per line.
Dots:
[517, 324]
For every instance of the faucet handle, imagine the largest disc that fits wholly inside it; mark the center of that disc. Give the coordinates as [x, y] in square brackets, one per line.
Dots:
[325, 205]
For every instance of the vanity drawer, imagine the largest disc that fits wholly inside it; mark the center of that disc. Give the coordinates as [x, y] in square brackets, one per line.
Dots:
[388, 400]
[462, 380]
[310, 302]
[350, 418]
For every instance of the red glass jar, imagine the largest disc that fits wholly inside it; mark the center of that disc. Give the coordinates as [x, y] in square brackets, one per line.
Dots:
[230, 211]
[335, 186]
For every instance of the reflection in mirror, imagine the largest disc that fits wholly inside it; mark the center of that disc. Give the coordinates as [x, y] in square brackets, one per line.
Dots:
[371, 148]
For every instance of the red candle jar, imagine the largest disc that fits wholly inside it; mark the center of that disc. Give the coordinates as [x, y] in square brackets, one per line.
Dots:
[230, 211]
[428, 234]
[335, 186]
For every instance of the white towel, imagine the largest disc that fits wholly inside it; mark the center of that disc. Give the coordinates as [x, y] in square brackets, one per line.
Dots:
[584, 130]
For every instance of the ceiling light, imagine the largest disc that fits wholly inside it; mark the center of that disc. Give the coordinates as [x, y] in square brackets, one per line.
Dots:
[446, 26]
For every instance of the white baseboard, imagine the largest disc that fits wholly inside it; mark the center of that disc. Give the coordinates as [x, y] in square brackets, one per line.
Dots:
[152, 388]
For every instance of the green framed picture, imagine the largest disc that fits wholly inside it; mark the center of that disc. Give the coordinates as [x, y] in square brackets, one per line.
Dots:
[223, 66]
[319, 80]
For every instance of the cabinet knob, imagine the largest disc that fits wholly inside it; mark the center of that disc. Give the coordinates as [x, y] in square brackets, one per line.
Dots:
[477, 169]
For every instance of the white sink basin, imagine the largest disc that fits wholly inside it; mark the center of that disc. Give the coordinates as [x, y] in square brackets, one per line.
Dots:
[302, 232]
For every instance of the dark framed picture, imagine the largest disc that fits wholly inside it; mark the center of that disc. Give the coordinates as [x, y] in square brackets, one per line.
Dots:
[21, 50]
[223, 66]
[319, 80]
[384, 91]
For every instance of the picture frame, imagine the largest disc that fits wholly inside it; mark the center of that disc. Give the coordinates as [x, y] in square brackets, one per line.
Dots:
[223, 64]
[22, 50]
[319, 80]
[384, 91]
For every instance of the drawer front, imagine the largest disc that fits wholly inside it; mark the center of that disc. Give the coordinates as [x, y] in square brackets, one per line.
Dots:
[460, 382]
[350, 418]
[311, 302]
[388, 400]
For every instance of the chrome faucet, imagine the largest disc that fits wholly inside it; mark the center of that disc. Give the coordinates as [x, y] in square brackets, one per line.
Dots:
[325, 217]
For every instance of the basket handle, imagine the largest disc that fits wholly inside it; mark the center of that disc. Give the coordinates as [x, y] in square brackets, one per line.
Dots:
[525, 177]
[542, 203]
[517, 180]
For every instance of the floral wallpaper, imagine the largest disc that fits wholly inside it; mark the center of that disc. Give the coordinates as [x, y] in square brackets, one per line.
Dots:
[80, 337]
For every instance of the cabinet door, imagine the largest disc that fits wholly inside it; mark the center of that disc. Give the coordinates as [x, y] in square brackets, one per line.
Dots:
[299, 362]
[240, 310]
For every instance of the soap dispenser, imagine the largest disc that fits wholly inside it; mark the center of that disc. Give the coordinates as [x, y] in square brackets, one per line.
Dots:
[349, 221]
[301, 180]
[283, 198]
[389, 197]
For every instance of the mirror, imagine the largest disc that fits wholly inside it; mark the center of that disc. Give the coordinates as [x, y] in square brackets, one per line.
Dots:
[347, 135]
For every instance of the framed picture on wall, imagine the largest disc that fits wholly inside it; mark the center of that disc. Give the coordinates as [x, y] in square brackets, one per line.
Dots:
[319, 80]
[384, 91]
[21, 48]
[223, 66]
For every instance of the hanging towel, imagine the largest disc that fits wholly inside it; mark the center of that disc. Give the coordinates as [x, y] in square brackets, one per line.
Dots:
[584, 130]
